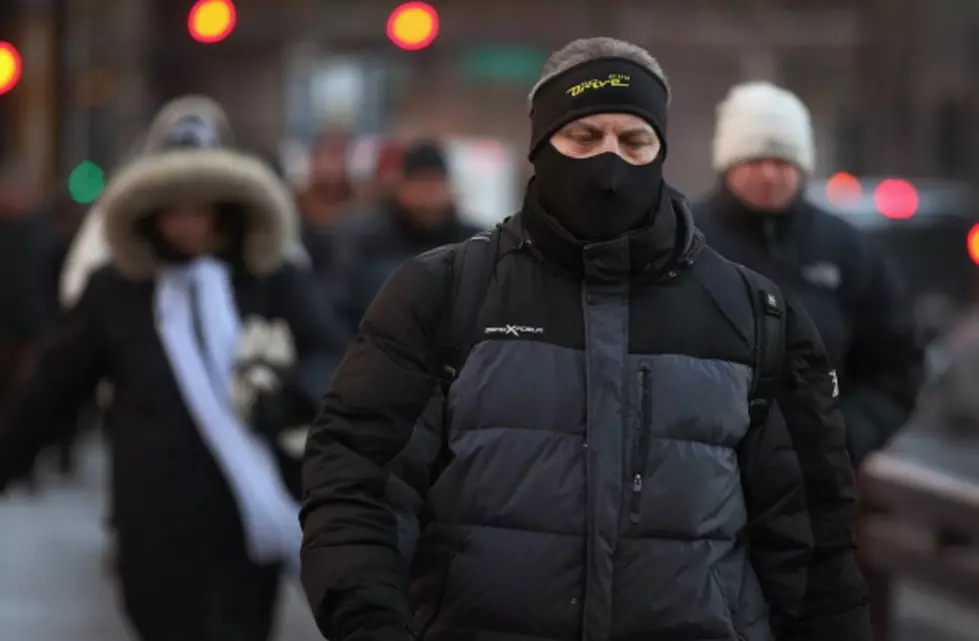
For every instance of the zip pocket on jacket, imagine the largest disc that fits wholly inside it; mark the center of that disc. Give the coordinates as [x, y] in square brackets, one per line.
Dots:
[640, 452]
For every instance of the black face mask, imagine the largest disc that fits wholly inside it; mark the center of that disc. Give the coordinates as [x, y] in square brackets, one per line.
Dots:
[598, 198]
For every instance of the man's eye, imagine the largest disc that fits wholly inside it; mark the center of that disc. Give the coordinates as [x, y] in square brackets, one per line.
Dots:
[636, 143]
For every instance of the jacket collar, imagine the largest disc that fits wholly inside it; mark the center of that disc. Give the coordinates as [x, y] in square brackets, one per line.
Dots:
[769, 226]
[670, 243]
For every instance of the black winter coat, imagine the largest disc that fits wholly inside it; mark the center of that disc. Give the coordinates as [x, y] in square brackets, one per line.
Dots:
[602, 481]
[370, 245]
[30, 250]
[855, 299]
[320, 245]
[166, 487]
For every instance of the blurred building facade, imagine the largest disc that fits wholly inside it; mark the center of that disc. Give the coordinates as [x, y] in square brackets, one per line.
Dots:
[891, 83]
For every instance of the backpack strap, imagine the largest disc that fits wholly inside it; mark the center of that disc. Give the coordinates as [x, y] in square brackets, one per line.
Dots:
[472, 272]
[768, 335]
[769, 345]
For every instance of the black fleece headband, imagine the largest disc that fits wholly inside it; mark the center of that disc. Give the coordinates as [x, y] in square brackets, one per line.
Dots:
[600, 85]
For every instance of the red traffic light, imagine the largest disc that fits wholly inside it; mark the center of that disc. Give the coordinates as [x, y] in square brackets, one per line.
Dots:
[11, 66]
[211, 21]
[972, 243]
[413, 25]
[896, 199]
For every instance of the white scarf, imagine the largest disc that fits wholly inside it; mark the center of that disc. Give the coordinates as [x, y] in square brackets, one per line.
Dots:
[269, 513]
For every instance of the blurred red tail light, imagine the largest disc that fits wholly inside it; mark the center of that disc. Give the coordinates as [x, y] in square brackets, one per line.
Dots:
[844, 190]
[897, 199]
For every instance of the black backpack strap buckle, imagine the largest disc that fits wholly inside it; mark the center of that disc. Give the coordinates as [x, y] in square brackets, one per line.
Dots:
[769, 348]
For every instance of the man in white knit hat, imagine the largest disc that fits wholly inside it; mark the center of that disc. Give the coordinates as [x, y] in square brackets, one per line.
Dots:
[757, 216]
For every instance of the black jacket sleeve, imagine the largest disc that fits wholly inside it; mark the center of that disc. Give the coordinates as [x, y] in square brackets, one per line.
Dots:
[801, 501]
[354, 575]
[71, 363]
[885, 365]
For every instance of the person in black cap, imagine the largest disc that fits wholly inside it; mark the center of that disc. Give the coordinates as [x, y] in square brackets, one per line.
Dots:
[213, 341]
[584, 424]
[418, 214]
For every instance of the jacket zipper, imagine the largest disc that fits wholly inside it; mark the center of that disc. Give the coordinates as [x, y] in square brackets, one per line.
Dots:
[641, 450]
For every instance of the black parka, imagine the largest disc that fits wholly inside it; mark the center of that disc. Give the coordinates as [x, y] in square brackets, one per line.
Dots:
[603, 482]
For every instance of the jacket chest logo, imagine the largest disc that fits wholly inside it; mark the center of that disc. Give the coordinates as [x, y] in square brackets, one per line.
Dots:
[824, 275]
[513, 330]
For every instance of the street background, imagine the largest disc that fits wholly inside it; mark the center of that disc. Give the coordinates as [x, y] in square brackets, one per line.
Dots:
[891, 83]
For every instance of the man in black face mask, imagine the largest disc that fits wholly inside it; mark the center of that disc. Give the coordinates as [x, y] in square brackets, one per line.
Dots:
[598, 153]
[561, 429]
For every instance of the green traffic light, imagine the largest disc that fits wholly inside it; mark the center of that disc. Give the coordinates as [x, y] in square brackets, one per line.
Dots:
[86, 182]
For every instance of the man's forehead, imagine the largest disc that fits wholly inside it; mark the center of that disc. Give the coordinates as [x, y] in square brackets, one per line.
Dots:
[617, 122]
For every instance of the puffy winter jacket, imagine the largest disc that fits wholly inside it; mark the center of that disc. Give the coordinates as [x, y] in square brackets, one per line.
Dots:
[602, 481]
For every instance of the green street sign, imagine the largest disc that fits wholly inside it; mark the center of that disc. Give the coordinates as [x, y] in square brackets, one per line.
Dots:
[501, 63]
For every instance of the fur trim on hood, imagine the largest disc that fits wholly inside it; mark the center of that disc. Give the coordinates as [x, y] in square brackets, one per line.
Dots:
[163, 176]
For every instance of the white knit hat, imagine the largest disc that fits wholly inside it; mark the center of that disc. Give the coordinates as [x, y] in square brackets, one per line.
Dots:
[760, 120]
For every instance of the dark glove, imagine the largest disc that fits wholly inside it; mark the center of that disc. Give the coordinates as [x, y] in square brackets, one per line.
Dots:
[268, 414]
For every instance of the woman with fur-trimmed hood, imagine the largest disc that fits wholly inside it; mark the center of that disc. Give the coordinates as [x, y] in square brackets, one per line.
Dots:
[213, 341]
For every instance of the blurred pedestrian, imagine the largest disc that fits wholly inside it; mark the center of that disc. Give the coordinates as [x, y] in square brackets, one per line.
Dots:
[326, 198]
[213, 342]
[30, 249]
[758, 216]
[418, 214]
[68, 218]
[387, 169]
[595, 458]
